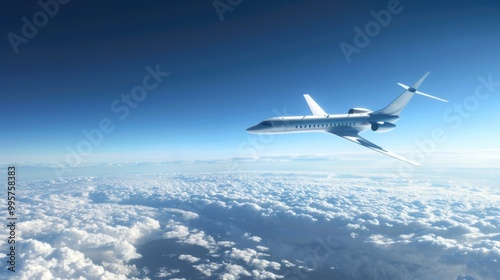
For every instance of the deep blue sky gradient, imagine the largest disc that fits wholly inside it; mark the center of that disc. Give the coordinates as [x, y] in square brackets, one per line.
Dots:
[228, 75]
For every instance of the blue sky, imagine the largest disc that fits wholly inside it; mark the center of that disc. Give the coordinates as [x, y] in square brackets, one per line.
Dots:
[228, 75]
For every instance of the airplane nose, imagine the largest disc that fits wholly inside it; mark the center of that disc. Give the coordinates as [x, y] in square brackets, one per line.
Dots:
[253, 128]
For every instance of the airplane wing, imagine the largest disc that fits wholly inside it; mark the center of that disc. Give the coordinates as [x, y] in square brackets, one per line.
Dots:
[354, 137]
[315, 108]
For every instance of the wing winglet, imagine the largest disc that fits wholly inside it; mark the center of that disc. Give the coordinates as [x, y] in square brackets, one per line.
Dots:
[314, 107]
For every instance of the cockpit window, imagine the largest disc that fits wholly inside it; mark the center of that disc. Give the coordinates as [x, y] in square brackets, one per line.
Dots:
[266, 123]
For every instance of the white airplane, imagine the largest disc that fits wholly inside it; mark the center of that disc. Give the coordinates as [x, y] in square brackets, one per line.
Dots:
[347, 126]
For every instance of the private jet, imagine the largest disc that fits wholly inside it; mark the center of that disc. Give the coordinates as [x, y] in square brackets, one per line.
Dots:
[347, 126]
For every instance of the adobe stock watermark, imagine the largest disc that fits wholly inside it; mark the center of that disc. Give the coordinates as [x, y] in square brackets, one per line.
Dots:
[255, 144]
[455, 117]
[223, 6]
[40, 18]
[363, 37]
[121, 107]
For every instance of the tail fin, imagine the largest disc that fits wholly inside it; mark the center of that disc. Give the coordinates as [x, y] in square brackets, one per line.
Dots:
[399, 103]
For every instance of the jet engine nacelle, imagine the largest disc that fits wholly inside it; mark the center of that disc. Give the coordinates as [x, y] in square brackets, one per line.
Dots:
[359, 111]
[382, 126]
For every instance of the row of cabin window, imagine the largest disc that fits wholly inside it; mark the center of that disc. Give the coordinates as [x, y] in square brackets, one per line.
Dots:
[324, 125]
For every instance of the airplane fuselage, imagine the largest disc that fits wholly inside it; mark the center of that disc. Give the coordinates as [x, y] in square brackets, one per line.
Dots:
[311, 123]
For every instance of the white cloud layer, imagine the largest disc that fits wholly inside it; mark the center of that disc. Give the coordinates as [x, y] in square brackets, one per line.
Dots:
[257, 226]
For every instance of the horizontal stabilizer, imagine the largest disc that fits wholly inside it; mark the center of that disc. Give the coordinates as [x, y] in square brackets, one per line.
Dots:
[421, 93]
[315, 109]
